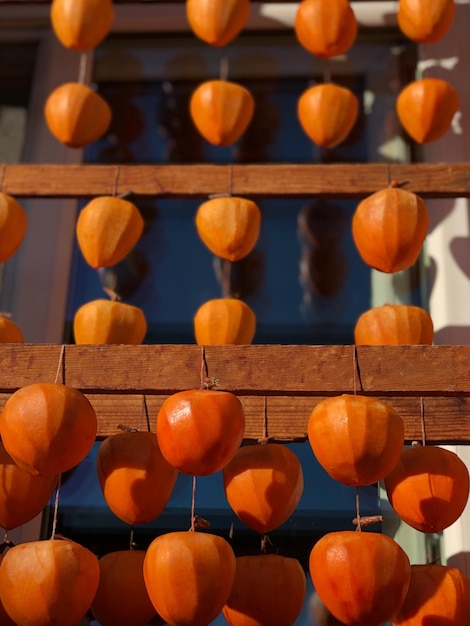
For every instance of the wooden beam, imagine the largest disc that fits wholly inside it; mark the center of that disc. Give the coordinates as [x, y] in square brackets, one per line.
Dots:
[265, 181]
[430, 383]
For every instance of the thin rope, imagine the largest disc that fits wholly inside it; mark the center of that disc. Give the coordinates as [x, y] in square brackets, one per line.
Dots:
[265, 418]
[354, 370]
[60, 366]
[204, 369]
[146, 410]
[193, 505]
[423, 422]
[116, 180]
[56, 507]
[230, 180]
[132, 544]
[223, 68]
[82, 70]
[358, 511]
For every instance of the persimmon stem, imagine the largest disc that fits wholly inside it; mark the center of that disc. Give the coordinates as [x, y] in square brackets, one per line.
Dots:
[265, 541]
[367, 520]
[132, 543]
[399, 184]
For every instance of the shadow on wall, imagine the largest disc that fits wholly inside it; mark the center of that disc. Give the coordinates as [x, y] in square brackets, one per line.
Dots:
[452, 335]
[461, 561]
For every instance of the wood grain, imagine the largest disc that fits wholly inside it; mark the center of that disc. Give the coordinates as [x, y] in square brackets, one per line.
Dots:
[429, 381]
[199, 181]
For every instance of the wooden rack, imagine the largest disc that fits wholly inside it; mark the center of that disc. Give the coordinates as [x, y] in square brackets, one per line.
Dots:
[278, 385]
[278, 181]
[427, 385]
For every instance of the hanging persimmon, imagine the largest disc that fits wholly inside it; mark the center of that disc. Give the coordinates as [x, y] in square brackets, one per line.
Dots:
[438, 595]
[217, 22]
[394, 325]
[76, 115]
[108, 228]
[13, 223]
[229, 226]
[122, 598]
[263, 484]
[428, 488]
[327, 113]
[48, 428]
[361, 577]
[81, 24]
[368, 433]
[221, 111]
[9, 331]
[189, 576]
[135, 479]
[48, 582]
[22, 495]
[424, 21]
[268, 589]
[389, 228]
[426, 108]
[224, 321]
[325, 28]
[109, 322]
[200, 430]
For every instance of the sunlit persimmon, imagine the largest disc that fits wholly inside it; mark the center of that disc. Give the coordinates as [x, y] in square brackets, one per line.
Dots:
[135, 479]
[424, 21]
[268, 589]
[217, 22]
[200, 430]
[48, 428]
[394, 325]
[224, 321]
[428, 488]
[362, 577]
[48, 582]
[263, 484]
[326, 28]
[189, 576]
[81, 24]
[109, 322]
[356, 439]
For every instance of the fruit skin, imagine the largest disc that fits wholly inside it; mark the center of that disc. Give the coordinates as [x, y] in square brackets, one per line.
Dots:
[48, 582]
[13, 224]
[369, 434]
[389, 228]
[76, 115]
[81, 24]
[221, 111]
[122, 598]
[325, 29]
[48, 428]
[362, 577]
[428, 488]
[426, 108]
[229, 227]
[200, 430]
[9, 331]
[107, 230]
[5, 620]
[189, 576]
[22, 495]
[109, 322]
[224, 321]
[217, 22]
[394, 325]
[263, 485]
[327, 113]
[268, 589]
[423, 21]
[438, 596]
[135, 479]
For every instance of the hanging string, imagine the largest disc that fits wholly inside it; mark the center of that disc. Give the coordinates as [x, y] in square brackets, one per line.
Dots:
[56, 507]
[230, 180]
[146, 410]
[61, 365]
[423, 422]
[356, 372]
[132, 543]
[82, 70]
[116, 180]
[204, 369]
[358, 512]
[193, 506]
[223, 68]
[226, 278]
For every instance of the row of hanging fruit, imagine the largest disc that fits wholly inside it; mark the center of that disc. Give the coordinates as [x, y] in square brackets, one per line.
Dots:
[188, 578]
